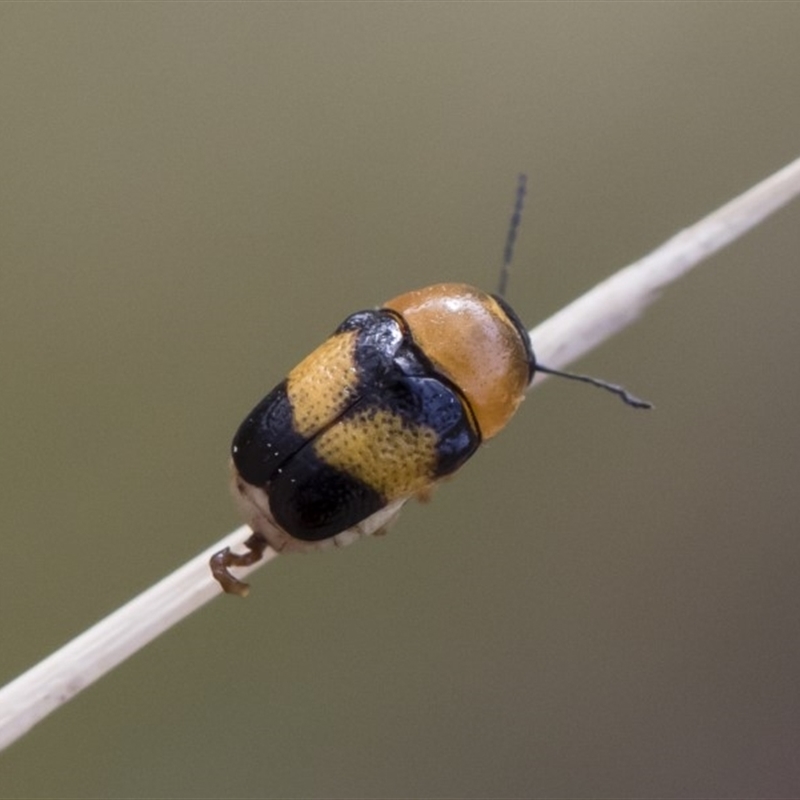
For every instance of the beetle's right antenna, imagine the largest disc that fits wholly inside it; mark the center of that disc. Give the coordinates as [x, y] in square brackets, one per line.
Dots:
[511, 238]
[623, 394]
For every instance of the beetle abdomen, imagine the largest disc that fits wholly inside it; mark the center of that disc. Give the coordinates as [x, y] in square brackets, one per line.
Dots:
[363, 421]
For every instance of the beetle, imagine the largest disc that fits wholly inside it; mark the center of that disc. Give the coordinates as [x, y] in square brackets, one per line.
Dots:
[394, 401]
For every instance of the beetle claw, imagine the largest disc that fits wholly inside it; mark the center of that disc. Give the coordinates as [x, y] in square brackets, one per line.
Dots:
[222, 560]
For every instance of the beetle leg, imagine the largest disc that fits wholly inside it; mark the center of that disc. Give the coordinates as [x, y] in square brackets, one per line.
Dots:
[221, 561]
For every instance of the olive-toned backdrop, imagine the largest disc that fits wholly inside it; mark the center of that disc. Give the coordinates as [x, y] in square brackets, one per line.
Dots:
[604, 602]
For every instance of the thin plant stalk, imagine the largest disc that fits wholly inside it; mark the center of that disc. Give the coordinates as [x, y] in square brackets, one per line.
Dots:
[582, 325]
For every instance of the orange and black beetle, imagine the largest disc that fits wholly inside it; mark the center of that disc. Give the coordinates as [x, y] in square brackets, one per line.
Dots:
[392, 402]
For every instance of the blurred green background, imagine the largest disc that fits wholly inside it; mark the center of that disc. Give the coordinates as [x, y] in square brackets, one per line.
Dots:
[604, 603]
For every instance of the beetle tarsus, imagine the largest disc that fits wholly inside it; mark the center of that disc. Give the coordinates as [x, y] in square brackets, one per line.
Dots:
[224, 559]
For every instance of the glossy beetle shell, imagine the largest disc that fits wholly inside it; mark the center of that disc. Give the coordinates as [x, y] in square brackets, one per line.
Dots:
[392, 402]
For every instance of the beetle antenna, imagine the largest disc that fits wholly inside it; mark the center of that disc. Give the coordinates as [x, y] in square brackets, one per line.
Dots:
[511, 238]
[625, 396]
[508, 255]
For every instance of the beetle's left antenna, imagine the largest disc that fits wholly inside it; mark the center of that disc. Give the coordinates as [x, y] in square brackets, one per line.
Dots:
[511, 238]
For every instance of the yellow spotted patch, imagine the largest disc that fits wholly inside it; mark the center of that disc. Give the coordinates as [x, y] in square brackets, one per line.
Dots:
[323, 384]
[375, 447]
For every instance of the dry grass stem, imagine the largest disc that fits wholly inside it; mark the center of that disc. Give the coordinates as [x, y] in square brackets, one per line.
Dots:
[581, 326]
